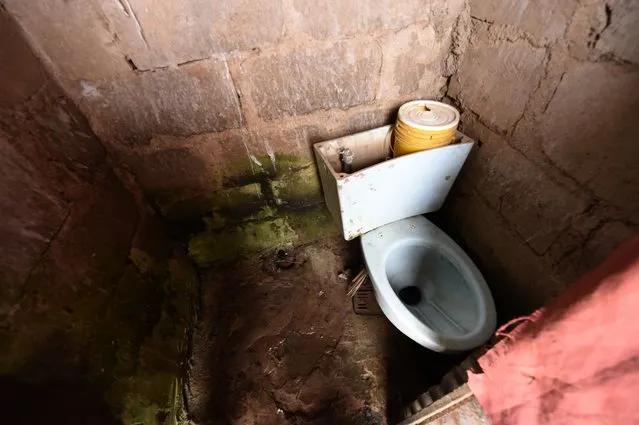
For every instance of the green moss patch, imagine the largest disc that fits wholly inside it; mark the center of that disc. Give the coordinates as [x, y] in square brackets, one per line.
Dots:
[278, 202]
[209, 247]
[286, 227]
[140, 342]
[298, 188]
[150, 397]
[239, 200]
[311, 224]
[284, 163]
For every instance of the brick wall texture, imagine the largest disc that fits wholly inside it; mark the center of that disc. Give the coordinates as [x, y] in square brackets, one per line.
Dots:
[190, 95]
[85, 267]
[551, 91]
[164, 82]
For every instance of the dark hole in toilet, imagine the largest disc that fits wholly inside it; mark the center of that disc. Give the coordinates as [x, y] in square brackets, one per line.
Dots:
[410, 295]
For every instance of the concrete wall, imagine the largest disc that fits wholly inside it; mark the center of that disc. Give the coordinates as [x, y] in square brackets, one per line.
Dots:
[186, 93]
[197, 97]
[87, 327]
[551, 91]
[213, 108]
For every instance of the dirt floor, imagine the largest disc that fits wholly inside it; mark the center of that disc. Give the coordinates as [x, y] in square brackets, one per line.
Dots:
[282, 346]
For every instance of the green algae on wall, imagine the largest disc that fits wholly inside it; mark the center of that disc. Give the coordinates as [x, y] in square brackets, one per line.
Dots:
[245, 188]
[311, 223]
[297, 188]
[126, 337]
[278, 203]
[272, 166]
[144, 384]
[254, 236]
[237, 200]
[290, 227]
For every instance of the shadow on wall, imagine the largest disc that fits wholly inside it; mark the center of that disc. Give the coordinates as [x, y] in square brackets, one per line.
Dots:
[410, 370]
[56, 392]
[63, 402]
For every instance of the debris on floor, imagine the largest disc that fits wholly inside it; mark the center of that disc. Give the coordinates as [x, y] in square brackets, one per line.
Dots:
[364, 302]
[282, 346]
[357, 281]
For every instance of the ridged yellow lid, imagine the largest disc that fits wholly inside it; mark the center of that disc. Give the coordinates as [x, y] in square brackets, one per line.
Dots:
[428, 115]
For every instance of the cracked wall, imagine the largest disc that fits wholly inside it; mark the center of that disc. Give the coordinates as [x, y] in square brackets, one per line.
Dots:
[551, 92]
[197, 98]
[94, 301]
[200, 88]
[213, 109]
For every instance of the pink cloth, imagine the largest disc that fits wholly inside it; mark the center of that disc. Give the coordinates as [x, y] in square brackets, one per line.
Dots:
[575, 361]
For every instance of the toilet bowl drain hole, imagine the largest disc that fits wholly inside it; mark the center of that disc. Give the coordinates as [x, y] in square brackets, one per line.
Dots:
[410, 295]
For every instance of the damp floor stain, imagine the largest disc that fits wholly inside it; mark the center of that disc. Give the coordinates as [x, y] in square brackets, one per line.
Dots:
[281, 345]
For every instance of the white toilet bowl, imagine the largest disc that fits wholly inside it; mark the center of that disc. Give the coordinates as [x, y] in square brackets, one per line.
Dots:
[427, 286]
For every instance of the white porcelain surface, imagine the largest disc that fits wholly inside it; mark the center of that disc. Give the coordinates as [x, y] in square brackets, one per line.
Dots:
[380, 191]
[456, 311]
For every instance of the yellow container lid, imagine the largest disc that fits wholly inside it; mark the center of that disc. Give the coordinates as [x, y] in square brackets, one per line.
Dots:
[428, 115]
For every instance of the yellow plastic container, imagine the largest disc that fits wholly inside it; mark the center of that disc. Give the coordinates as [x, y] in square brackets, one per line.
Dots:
[422, 125]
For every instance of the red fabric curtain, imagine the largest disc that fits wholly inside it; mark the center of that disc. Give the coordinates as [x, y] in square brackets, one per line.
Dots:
[575, 361]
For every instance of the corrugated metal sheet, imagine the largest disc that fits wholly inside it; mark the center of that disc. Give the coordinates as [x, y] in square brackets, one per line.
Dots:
[451, 401]
[466, 413]
[460, 407]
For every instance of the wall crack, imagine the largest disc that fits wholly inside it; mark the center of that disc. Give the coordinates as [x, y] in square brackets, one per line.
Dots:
[44, 252]
[596, 35]
[128, 9]
[486, 21]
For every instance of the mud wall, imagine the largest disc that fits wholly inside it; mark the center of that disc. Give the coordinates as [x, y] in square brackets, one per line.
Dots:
[551, 92]
[90, 327]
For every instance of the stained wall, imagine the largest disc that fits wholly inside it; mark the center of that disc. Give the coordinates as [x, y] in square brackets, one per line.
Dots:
[551, 92]
[94, 299]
